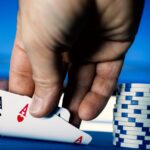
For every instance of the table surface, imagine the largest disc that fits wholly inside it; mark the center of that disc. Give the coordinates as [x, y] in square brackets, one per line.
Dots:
[101, 141]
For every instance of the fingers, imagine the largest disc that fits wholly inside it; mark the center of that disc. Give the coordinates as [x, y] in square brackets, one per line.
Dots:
[20, 78]
[47, 68]
[46, 81]
[120, 19]
[3, 84]
[80, 80]
[110, 50]
[101, 90]
[47, 85]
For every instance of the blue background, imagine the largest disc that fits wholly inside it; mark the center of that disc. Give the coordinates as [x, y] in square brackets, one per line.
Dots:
[137, 63]
[136, 69]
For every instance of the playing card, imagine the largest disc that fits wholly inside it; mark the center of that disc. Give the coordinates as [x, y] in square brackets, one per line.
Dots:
[0, 105]
[20, 106]
[63, 113]
[16, 121]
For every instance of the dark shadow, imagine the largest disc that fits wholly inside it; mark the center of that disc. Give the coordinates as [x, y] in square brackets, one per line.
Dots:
[85, 36]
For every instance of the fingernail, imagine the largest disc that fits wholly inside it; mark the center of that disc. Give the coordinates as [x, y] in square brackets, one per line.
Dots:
[36, 105]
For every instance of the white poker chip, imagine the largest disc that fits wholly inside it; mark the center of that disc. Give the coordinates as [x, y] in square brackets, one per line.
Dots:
[129, 141]
[130, 132]
[127, 120]
[134, 85]
[127, 106]
[128, 145]
[138, 129]
[133, 98]
[134, 90]
[127, 115]
[137, 94]
[131, 116]
[133, 111]
[132, 137]
[131, 124]
[133, 102]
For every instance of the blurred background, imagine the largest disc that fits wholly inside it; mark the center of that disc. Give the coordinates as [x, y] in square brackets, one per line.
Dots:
[137, 63]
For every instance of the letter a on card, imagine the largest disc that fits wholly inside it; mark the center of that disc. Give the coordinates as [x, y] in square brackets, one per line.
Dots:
[22, 113]
[79, 140]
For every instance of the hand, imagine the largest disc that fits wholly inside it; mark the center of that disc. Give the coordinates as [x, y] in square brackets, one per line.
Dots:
[88, 38]
[3, 84]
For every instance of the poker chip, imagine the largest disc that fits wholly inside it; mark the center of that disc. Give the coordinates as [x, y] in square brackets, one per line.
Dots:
[127, 106]
[131, 124]
[126, 115]
[137, 94]
[141, 142]
[147, 129]
[129, 145]
[132, 102]
[131, 120]
[147, 90]
[131, 132]
[136, 85]
[131, 116]
[135, 111]
[147, 99]
[132, 137]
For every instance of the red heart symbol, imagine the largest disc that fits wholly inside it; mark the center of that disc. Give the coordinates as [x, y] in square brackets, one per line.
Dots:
[20, 118]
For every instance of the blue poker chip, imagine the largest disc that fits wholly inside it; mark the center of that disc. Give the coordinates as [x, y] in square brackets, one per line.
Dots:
[132, 137]
[130, 100]
[133, 120]
[126, 115]
[137, 124]
[144, 131]
[133, 111]
[130, 106]
[133, 102]
[131, 116]
[141, 129]
[137, 94]
[134, 85]
[140, 142]
[125, 89]
[129, 97]
[132, 132]
[128, 145]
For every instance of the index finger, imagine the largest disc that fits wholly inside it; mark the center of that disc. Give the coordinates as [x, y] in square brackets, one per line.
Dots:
[20, 78]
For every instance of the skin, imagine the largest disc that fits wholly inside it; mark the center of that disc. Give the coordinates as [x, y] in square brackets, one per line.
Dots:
[3, 84]
[87, 38]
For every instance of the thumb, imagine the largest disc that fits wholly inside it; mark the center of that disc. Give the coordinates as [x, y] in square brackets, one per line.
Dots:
[47, 75]
[47, 67]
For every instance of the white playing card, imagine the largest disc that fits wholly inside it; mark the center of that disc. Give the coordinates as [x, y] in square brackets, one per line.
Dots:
[63, 113]
[19, 102]
[16, 121]
[0, 105]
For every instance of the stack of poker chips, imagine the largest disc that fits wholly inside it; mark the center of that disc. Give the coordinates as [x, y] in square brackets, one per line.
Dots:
[131, 125]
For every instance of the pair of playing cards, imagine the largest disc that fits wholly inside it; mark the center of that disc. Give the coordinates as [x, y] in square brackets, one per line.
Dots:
[16, 121]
